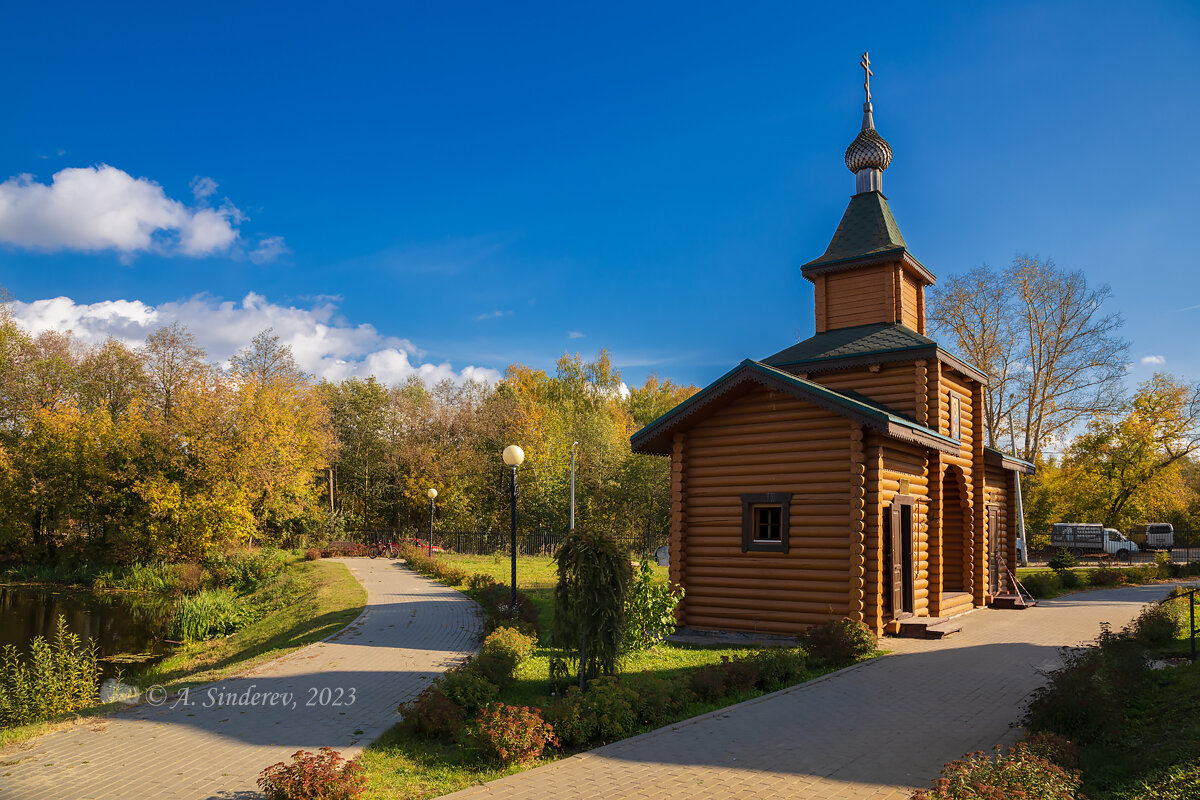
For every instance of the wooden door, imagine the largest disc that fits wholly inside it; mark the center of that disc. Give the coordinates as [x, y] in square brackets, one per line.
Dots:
[898, 535]
[996, 561]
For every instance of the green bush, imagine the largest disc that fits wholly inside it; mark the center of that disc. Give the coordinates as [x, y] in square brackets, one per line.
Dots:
[53, 678]
[497, 602]
[449, 574]
[649, 609]
[1107, 576]
[741, 674]
[245, 572]
[604, 712]
[324, 775]
[155, 578]
[432, 715]
[512, 640]
[211, 613]
[589, 601]
[657, 700]
[1070, 579]
[1042, 584]
[778, 667]
[1143, 573]
[1019, 773]
[838, 642]
[468, 689]
[507, 734]
[1085, 699]
[1157, 625]
[1178, 782]
[709, 683]
[189, 577]
[478, 582]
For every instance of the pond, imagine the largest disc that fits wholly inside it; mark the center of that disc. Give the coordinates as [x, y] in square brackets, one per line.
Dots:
[127, 628]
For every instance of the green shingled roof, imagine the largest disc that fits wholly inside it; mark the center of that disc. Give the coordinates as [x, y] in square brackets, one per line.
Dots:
[867, 228]
[860, 340]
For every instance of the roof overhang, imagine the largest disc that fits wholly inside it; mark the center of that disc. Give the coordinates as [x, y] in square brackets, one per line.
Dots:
[901, 254]
[996, 458]
[656, 437]
[829, 363]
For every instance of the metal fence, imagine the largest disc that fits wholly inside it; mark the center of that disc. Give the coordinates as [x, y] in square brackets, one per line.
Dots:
[486, 543]
[1179, 555]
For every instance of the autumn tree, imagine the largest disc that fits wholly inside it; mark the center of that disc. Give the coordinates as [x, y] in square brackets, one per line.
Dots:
[1052, 352]
[1128, 466]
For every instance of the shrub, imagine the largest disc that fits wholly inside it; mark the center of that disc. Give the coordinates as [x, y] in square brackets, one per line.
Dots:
[189, 577]
[512, 640]
[657, 700]
[604, 712]
[649, 609]
[1085, 698]
[468, 689]
[156, 578]
[511, 734]
[1157, 625]
[709, 683]
[741, 674]
[1107, 576]
[1042, 584]
[839, 641]
[210, 613]
[497, 601]
[53, 678]
[449, 574]
[778, 667]
[1162, 560]
[1019, 773]
[432, 715]
[478, 582]
[245, 572]
[1143, 573]
[1070, 579]
[313, 554]
[323, 775]
[1063, 561]
[1177, 782]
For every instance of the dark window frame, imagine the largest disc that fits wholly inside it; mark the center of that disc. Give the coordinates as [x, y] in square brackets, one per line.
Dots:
[783, 501]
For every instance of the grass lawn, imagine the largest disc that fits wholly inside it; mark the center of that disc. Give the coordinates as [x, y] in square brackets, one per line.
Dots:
[321, 597]
[401, 767]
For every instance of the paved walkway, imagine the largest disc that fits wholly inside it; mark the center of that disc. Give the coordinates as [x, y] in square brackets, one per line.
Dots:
[874, 730]
[412, 630]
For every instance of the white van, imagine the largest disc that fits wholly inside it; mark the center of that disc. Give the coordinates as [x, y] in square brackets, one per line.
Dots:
[1090, 537]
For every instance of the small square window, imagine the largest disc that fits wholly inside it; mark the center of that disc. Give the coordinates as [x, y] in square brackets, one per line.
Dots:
[765, 522]
[768, 523]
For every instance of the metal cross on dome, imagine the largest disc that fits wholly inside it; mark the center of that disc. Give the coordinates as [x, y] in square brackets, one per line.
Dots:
[866, 65]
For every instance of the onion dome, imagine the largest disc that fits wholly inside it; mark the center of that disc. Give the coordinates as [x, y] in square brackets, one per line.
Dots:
[868, 150]
[869, 154]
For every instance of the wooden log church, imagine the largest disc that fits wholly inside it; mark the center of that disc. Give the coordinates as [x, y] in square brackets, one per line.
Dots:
[844, 476]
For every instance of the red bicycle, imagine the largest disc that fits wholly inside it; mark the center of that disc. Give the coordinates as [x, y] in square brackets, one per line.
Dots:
[389, 549]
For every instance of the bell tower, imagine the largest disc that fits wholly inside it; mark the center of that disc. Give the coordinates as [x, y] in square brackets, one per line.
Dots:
[867, 276]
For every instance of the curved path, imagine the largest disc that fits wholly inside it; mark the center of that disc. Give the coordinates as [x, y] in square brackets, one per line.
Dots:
[213, 745]
[874, 730]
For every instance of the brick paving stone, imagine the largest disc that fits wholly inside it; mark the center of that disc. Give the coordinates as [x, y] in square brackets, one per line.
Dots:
[875, 730]
[208, 745]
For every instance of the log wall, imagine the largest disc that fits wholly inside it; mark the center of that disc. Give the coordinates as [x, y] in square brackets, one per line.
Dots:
[997, 493]
[766, 441]
[894, 385]
[893, 462]
[859, 297]
[963, 555]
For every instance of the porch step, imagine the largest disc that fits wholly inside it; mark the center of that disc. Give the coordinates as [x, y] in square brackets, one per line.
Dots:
[1012, 601]
[955, 603]
[928, 627]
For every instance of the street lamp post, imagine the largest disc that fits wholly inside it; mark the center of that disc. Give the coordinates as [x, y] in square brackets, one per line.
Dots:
[573, 446]
[432, 493]
[513, 456]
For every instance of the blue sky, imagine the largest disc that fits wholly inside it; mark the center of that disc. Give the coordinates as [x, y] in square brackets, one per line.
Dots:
[446, 186]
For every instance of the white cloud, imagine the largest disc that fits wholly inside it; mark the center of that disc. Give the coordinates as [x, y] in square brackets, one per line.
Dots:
[1154, 360]
[203, 187]
[104, 208]
[324, 343]
[574, 335]
[269, 249]
[493, 315]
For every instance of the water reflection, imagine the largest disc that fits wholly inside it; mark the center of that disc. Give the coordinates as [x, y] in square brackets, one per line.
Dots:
[127, 628]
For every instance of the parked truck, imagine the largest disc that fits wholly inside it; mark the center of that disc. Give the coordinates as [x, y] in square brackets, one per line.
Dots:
[1155, 536]
[1090, 537]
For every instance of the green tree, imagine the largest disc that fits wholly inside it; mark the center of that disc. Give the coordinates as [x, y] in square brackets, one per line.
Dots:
[594, 575]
